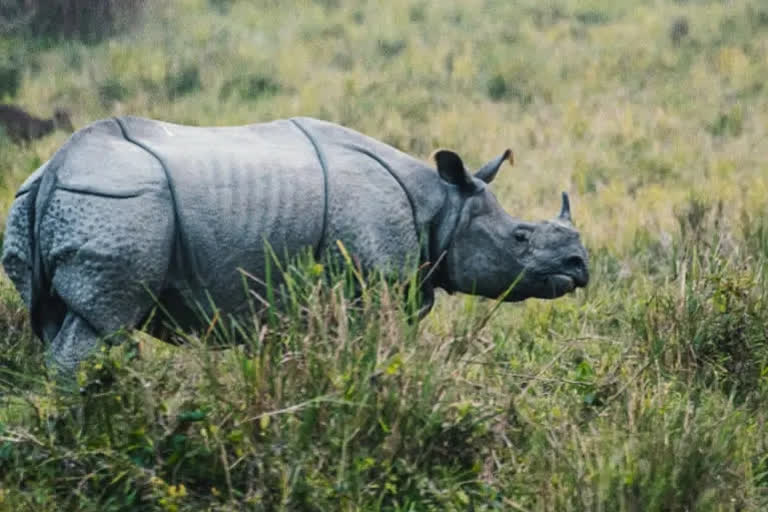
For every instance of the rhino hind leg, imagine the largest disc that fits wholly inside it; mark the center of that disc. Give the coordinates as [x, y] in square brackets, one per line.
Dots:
[108, 259]
[75, 340]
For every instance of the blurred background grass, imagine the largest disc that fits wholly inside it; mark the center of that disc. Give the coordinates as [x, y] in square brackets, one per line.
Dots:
[645, 392]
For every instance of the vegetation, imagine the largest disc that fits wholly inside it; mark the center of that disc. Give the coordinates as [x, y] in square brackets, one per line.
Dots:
[85, 20]
[647, 391]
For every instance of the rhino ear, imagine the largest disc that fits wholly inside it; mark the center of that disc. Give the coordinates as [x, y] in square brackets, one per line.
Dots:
[489, 170]
[451, 169]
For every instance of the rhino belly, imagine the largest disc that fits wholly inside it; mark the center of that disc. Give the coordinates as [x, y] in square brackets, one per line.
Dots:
[233, 235]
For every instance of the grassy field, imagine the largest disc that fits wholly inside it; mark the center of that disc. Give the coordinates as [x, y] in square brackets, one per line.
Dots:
[648, 391]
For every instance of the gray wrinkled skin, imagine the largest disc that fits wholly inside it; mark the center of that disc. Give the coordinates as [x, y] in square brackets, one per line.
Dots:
[131, 212]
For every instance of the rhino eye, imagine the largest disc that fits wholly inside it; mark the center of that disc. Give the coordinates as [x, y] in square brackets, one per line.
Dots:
[521, 236]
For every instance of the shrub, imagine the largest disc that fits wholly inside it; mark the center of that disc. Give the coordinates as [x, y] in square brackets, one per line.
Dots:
[500, 89]
[710, 326]
[10, 79]
[182, 82]
[250, 87]
[391, 48]
[112, 90]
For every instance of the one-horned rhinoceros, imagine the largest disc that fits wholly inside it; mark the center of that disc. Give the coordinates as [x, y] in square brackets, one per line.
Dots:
[133, 213]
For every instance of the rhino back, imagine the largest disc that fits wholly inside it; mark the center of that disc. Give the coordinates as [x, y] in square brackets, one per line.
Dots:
[236, 188]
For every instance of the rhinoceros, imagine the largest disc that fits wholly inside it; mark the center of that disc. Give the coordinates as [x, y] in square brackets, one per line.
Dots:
[133, 214]
[23, 127]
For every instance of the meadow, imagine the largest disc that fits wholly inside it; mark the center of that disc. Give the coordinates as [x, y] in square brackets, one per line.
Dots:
[647, 391]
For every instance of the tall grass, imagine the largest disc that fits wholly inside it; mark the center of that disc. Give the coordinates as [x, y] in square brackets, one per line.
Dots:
[337, 401]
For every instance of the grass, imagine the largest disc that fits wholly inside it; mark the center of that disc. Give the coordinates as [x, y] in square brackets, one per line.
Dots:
[646, 391]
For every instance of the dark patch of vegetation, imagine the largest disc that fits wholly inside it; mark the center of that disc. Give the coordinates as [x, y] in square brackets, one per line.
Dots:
[183, 81]
[757, 16]
[111, 91]
[499, 89]
[358, 16]
[546, 15]
[336, 30]
[250, 88]
[329, 4]
[391, 48]
[222, 6]
[730, 123]
[86, 20]
[343, 60]
[417, 13]
[592, 17]
[20, 351]
[10, 80]
[679, 30]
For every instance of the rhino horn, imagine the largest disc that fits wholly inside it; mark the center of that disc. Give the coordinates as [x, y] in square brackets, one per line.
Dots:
[488, 172]
[565, 209]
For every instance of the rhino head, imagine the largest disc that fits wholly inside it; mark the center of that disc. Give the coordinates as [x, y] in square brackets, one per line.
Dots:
[488, 252]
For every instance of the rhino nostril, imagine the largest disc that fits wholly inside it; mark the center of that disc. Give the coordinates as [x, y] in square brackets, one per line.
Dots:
[576, 262]
[576, 267]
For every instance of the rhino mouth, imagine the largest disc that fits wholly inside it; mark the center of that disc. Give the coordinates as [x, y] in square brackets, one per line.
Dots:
[567, 282]
[549, 286]
[560, 284]
[556, 285]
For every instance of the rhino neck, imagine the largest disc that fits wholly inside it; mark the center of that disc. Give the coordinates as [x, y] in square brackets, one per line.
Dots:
[435, 215]
[443, 232]
[423, 187]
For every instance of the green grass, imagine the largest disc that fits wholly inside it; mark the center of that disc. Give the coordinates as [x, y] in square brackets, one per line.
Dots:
[646, 391]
